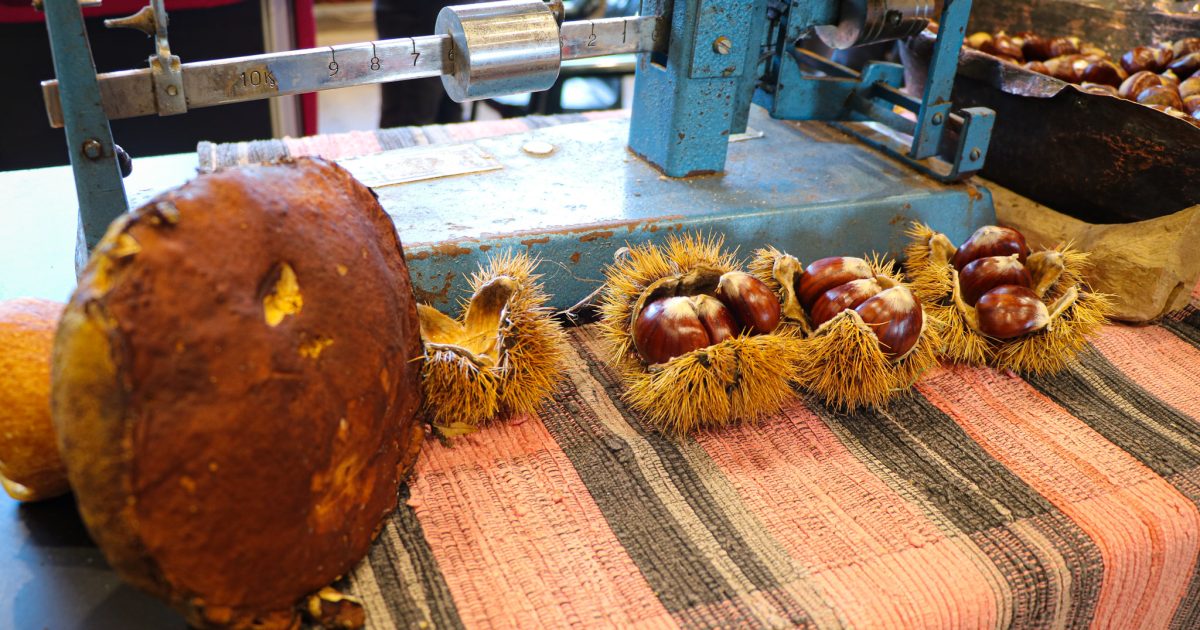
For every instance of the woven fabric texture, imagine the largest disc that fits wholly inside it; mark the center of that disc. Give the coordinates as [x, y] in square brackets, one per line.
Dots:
[980, 500]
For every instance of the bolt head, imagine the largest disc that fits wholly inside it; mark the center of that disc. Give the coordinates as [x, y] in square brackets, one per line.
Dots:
[937, 118]
[976, 154]
[92, 149]
[172, 90]
[722, 45]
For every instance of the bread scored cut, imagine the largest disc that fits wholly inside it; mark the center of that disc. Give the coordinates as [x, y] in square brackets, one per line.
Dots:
[235, 384]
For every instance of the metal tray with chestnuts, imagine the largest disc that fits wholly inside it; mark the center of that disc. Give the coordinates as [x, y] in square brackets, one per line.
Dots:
[867, 336]
[700, 342]
[999, 303]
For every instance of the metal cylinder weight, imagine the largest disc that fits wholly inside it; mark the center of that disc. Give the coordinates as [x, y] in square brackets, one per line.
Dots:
[863, 22]
[500, 48]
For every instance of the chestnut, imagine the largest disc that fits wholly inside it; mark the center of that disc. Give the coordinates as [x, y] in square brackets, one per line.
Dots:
[670, 327]
[1060, 46]
[1191, 104]
[826, 273]
[984, 274]
[1138, 82]
[1004, 46]
[990, 240]
[1036, 66]
[842, 297]
[1146, 58]
[1098, 88]
[896, 318]
[1092, 51]
[979, 41]
[1104, 72]
[1169, 78]
[1185, 46]
[1189, 86]
[1067, 68]
[1010, 311]
[1035, 48]
[750, 300]
[1164, 95]
[1186, 66]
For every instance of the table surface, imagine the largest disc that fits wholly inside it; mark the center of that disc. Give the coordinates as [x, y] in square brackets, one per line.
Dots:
[53, 576]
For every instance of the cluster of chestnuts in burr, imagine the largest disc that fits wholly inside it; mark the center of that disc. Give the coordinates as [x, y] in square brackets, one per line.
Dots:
[994, 281]
[1163, 76]
[832, 285]
[672, 326]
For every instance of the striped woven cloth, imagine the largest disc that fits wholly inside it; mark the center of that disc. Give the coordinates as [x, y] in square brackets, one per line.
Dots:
[981, 500]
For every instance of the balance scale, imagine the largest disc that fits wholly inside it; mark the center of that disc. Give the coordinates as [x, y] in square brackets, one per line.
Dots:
[712, 144]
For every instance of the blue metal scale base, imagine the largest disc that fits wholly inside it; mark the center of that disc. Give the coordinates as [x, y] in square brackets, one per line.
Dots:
[806, 188]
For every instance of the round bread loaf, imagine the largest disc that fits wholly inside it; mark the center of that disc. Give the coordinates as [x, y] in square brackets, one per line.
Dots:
[234, 389]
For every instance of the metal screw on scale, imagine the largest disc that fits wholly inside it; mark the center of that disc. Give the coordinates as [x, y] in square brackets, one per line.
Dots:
[722, 45]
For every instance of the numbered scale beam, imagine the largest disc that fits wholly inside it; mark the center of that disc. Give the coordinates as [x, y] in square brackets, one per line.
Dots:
[130, 93]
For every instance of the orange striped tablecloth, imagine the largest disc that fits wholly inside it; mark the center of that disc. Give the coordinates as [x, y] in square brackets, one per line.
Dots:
[983, 500]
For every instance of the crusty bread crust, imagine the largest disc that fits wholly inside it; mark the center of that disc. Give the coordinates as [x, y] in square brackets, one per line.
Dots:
[235, 388]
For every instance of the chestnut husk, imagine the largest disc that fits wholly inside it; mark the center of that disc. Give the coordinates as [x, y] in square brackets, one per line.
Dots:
[842, 361]
[1058, 278]
[744, 378]
[504, 354]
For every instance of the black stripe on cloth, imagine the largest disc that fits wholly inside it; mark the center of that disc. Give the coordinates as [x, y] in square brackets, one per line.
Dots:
[1159, 436]
[385, 562]
[925, 450]
[680, 573]
[1186, 327]
[710, 511]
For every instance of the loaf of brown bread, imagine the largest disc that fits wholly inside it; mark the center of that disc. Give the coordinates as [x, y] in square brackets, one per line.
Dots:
[235, 386]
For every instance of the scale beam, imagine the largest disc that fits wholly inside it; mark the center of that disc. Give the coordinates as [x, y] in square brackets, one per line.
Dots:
[130, 93]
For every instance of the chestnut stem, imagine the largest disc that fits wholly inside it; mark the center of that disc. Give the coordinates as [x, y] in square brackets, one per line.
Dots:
[480, 360]
[967, 310]
[787, 271]
[1063, 303]
[1046, 267]
[941, 250]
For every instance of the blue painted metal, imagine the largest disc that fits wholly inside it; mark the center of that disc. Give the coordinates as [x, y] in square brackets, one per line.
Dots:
[98, 182]
[935, 102]
[804, 187]
[683, 111]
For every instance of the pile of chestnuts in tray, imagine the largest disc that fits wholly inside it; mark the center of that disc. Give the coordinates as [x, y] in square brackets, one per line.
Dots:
[1163, 76]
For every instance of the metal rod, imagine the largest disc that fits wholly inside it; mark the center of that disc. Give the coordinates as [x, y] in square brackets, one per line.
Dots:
[130, 93]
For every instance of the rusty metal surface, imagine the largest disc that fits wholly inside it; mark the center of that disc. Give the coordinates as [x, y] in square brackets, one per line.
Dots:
[1098, 158]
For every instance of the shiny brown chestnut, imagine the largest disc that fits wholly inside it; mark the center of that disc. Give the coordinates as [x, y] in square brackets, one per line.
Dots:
[826, 273]
[1036, 66]
[896, 318]
[1164, 95]
[1060, 46]
[1146, 58]
[1185, 46]
[842, 297]
[674, 326]
[1186, 66]
[1104, 72]
[750, 300]
[984, 274]
[979, 41]
[1004, 46]
[1035, 48]
[1191, 104]
[990, 240]
[1189, 86]
[1138, 82]
[1098, 88]
[1092, 51]
[1067, 68]
[1007, 312]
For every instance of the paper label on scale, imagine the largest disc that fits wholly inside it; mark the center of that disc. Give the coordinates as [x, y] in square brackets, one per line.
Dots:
[413, 164]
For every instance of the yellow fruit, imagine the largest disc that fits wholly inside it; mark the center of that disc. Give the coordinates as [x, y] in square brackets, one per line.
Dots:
[30, 468]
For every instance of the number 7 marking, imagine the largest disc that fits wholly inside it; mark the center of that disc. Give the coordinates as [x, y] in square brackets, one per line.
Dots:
[415, 54]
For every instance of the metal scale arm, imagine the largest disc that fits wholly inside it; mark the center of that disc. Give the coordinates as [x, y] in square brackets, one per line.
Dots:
[480, 51]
